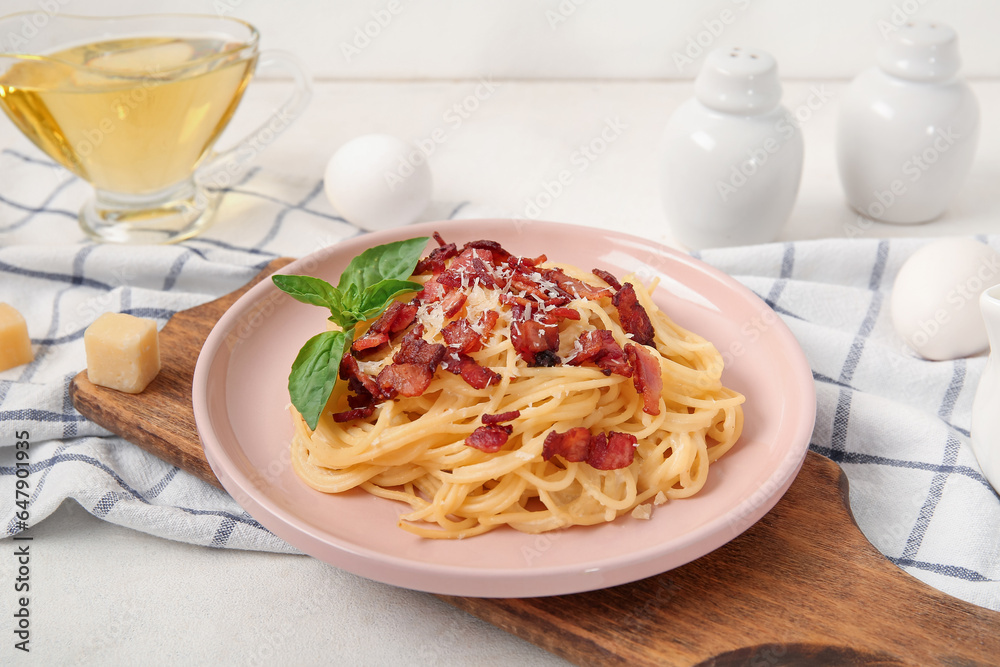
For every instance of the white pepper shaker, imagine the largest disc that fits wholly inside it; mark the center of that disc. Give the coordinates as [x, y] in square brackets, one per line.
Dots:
[731, 157]
[907, 128]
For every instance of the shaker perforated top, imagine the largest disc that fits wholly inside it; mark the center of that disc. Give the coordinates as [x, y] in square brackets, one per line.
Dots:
[739, 80]
[921, 51]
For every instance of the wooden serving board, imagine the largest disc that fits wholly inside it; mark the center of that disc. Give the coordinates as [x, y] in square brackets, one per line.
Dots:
[801, 587]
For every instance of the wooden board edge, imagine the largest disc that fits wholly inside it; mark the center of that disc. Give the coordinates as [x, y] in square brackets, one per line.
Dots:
[83, 392]
[86, 397]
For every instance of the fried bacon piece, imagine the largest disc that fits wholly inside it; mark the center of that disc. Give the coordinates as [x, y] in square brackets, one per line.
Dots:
[536, 342]
[370, 340]
[577, 289]
[601, 347]
[611, 452]
[402, 316]
[461, 336]
[632, 315]
[489, 438]
[501, 417]
[496, 250]
[396, 317]
[476, 376]
[563, 314]
[412, 367]
[602, 451]
[471, 264]
[525, 289]
[573, 445]
[435, 261]
[404, 379]
[359, 382]
[362, 399]
[646, 376]
[487, 321]
[432, 292]
[355, 413]
[532, 338]
[525, 264]
[453, 303]
[413, 349]
[486, 278]
[608, 277]
[525, 302]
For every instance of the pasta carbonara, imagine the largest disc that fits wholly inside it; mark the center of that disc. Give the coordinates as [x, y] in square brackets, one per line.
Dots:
[514, 391]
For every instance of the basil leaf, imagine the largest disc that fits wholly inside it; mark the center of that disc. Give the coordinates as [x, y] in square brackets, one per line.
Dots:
[391, 261]
[314, 291]
[377, 297]
[314, 372]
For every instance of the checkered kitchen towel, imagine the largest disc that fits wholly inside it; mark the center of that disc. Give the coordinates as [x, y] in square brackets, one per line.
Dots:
[897, 424]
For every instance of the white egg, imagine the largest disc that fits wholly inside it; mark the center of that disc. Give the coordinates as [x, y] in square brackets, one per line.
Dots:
[377, 181]
[935, 299]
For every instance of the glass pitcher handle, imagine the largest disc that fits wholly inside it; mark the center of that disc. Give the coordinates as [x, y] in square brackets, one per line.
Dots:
[223, 167]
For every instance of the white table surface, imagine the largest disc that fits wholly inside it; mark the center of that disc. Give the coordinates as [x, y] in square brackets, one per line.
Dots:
[106, 595]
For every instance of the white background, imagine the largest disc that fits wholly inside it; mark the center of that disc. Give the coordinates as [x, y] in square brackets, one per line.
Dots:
[563, 71]
[579, 39]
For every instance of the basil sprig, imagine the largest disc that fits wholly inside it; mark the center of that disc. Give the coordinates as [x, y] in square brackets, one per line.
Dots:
[367, 286]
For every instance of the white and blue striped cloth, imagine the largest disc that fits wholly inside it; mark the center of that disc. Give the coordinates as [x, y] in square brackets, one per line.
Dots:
[898, 425]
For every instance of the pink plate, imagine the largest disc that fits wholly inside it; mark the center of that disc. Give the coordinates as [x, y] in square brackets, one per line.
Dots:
[240, 400]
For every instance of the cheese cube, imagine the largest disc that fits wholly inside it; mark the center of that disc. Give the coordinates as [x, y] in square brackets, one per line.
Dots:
[15, 345]
[123, 352]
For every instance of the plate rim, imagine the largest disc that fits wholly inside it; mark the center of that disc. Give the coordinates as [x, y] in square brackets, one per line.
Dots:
[531, 581]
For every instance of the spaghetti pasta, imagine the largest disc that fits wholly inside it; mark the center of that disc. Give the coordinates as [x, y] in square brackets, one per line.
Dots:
[573, 433]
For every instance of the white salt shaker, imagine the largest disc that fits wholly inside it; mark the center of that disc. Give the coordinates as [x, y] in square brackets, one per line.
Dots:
[907, 128]
[731, 157]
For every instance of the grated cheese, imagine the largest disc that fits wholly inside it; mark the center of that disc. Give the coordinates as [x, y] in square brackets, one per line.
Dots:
[644, 512]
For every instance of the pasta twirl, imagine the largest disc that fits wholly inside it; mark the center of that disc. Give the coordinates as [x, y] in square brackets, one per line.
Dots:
[414, 449]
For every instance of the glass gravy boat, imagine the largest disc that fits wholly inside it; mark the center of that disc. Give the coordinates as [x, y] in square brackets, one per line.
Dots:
[133, 105]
